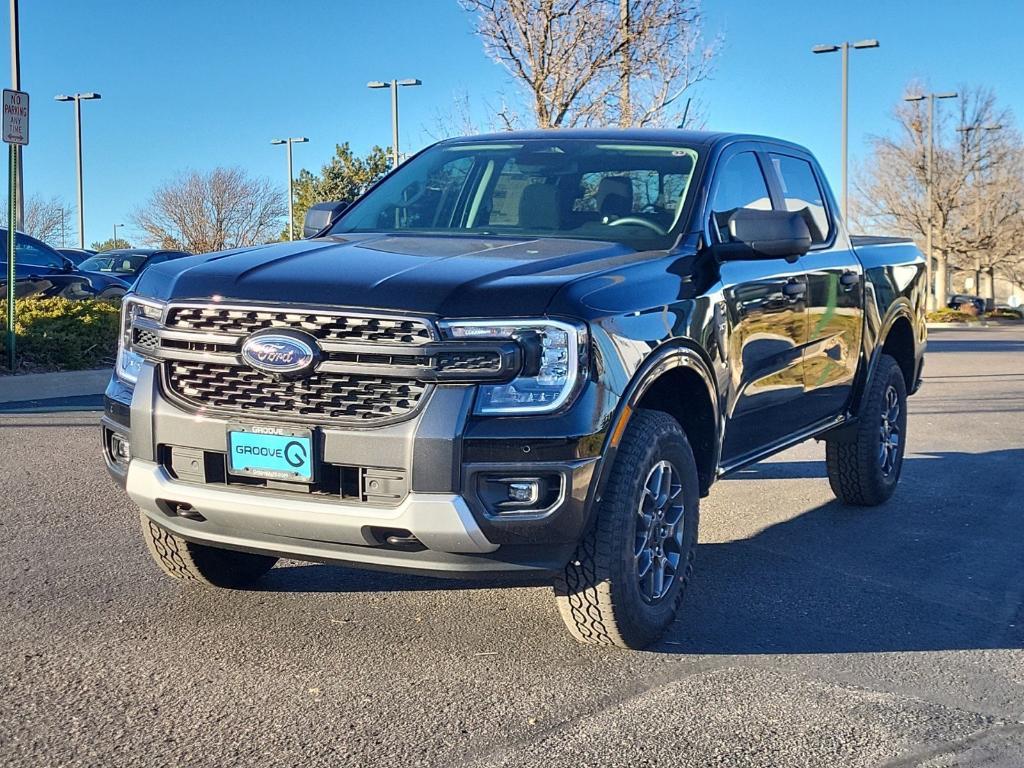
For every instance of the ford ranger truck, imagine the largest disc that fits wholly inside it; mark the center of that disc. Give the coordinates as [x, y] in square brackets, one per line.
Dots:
[524, 353]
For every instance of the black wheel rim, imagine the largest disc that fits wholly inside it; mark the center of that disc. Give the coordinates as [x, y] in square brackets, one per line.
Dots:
[891, 436]
[658, 551]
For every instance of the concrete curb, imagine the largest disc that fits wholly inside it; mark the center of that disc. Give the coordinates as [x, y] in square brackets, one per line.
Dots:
[977, 324]
[49, 386]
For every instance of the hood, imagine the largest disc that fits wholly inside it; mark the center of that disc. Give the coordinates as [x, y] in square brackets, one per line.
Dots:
[446, 276]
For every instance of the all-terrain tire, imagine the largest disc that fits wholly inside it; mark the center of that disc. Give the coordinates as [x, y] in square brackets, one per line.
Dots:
[860, 473]
[200, 564]
[599, 592]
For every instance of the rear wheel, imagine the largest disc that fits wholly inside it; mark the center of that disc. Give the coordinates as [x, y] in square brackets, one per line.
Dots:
[187, 561]
[625, 583]
[864, 470]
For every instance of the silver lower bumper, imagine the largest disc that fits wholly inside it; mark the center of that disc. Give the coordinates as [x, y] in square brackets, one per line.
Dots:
[442, 522]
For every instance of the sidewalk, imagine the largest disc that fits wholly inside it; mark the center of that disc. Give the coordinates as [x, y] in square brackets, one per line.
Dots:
[61, 391]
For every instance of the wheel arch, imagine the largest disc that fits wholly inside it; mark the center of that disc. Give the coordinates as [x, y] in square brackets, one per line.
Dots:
[677, 380]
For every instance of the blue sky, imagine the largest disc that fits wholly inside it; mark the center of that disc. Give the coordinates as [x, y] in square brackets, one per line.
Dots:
[195, 84]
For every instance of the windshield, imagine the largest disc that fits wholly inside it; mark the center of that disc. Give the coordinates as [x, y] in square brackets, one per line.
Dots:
[631, 193]
[119, 264]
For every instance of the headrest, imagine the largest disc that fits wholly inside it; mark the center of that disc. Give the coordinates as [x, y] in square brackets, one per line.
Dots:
[538, 207]
[615, 196]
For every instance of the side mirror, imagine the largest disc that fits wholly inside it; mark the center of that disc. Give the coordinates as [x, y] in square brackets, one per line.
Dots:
[322, 215]
[765, 235]
[69, 265]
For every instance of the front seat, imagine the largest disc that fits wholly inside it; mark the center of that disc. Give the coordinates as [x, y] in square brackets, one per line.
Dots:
[538, 207]
[615, 197]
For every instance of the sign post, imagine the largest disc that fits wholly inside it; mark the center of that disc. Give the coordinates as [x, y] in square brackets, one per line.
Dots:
[15, 126]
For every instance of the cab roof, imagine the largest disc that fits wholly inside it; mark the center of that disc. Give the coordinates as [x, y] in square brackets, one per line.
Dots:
[696, 139]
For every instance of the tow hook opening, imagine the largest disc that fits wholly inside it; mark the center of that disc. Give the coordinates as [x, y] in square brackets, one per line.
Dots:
[180, 509]
[397, 538]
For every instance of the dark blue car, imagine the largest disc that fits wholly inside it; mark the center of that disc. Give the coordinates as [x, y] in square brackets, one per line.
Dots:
[42, 271]
[111, 273]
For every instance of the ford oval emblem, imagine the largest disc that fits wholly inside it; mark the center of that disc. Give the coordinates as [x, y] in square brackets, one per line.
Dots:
[283, 352]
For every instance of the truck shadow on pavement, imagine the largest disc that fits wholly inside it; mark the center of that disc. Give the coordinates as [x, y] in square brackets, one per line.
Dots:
[938, 567]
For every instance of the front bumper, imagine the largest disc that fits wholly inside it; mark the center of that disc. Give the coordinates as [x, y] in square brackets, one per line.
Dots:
[441, 511]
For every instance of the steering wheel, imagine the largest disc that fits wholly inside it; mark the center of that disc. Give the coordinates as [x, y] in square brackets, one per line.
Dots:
[642, 222]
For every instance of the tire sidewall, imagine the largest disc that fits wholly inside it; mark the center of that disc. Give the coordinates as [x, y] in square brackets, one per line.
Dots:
[670, 445]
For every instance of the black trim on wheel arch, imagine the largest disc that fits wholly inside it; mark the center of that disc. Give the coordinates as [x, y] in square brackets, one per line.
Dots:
[657, 363]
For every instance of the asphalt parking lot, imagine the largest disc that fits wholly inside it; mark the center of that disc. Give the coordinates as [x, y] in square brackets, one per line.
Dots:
[813, 634]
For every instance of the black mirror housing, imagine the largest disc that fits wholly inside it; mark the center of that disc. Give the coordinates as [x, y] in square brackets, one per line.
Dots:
[322, 215]
[765, 235]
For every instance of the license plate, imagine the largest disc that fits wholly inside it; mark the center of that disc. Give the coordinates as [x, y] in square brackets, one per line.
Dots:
[274, 453]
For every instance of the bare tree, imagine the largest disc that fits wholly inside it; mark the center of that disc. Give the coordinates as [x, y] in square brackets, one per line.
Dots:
[203, 212]
[48, 219]
[597, 62]
[978, 184]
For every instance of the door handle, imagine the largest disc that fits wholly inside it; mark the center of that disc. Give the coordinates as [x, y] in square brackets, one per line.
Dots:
[794, 289]
[849, 280]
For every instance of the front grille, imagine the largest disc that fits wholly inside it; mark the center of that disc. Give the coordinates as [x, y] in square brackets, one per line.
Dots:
[337, 396]
[323, 326]
[146, 340]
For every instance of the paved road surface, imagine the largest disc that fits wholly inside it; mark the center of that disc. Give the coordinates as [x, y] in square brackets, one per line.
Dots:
[813, 635]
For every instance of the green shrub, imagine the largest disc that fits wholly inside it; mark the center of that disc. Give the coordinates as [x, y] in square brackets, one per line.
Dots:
[1005, 314]
[947, 315]
[61, 334]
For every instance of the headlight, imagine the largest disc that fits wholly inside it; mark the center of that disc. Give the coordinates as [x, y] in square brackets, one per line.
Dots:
[563, 354]
[129, 362]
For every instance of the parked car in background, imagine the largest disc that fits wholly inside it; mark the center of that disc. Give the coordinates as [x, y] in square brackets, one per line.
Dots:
[111, 273]
[42, 271]
[965, 303]
[77, 255]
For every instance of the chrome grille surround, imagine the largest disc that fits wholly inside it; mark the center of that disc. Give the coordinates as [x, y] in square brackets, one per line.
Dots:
[202, 369]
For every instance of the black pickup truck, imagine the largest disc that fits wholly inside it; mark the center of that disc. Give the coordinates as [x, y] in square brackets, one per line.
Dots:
[524, 353]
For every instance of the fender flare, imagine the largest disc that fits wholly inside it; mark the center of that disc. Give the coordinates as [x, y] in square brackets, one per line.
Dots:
[669, 356]
[898, 310]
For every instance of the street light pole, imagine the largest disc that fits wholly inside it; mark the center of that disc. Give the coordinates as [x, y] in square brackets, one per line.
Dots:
[115, 233]
[78, 98]
[394, 86]
[931, 298]
[844, 48]
[291, 176]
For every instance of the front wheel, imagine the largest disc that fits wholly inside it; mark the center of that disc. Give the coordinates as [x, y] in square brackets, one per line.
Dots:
[864, 471]
[625, 583]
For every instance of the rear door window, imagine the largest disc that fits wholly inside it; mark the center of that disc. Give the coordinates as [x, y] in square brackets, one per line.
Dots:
[802, 193]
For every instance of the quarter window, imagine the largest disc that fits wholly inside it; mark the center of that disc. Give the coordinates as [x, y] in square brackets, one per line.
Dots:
[739, 184]
[802, 194]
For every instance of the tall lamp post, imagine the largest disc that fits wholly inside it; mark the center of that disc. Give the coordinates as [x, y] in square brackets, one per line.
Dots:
[845, 90]
[930, 187]
[291, 176]
[78, 98]
[394, 85]
[115, 233]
